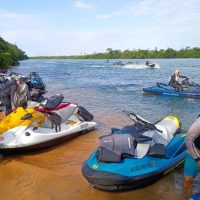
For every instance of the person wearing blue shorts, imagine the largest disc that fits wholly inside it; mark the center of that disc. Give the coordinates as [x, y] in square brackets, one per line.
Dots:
[192, 160]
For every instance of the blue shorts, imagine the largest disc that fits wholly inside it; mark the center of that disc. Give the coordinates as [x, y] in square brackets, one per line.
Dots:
[190, 166]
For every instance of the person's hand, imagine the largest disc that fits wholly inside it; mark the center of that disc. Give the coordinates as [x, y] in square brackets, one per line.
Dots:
[13, 108]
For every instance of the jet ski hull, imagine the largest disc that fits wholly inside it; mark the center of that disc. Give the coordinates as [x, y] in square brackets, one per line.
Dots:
[113, 180]
[30, 138]
[39, 145]
[151, 65]
[103, 169]
[172, 92]
[27, 129]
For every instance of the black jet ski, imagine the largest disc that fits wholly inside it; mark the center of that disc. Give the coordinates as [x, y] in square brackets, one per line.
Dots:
[149, 64]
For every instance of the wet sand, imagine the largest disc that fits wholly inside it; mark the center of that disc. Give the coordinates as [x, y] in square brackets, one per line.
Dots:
[55, 173]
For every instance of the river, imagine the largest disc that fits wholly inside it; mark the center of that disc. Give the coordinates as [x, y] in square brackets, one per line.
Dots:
[105, 90]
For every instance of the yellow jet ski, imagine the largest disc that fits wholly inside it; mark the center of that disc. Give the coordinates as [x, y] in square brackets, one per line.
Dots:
[28, 129]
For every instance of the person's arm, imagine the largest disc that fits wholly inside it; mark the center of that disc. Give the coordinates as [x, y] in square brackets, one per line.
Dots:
[192, 134]
[23, 94]
[180, 76]
[172, 78]
[12, 93]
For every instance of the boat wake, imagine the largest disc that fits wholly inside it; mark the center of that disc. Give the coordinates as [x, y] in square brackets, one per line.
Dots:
[139, 66]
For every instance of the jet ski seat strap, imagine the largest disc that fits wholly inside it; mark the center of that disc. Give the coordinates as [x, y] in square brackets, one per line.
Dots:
[55, 121]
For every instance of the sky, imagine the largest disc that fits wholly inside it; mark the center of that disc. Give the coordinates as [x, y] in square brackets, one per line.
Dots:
[78, 27]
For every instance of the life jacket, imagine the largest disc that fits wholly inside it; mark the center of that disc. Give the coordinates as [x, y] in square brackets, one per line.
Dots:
[21, 95]
[36, 82]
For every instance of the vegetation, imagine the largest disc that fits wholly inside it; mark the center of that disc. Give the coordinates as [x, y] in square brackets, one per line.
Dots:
[134, 54]
[10, 54]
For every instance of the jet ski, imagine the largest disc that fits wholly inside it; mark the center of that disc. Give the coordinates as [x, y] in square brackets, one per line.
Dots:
[195, 197]
[149, 64]
[35, 84]
[3, 79]
[137, 155]
[190, 89]
[41, 127]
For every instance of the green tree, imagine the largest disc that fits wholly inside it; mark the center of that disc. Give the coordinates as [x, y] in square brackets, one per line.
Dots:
[10, 54]
[5, 60]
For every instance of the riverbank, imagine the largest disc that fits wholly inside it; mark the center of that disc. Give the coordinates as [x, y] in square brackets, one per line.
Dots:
[134, 54]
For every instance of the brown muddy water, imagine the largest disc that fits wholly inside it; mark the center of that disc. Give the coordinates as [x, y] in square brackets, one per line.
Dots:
[55, 173]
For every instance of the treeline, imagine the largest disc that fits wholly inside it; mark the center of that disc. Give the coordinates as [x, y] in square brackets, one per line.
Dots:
[10, 54]
[134, 54]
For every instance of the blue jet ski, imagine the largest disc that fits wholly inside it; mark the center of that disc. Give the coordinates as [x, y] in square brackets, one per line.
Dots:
[189, 90]
[195, 197]
[137, 155]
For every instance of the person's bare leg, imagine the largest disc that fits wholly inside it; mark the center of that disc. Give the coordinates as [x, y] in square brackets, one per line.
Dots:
[187, 186]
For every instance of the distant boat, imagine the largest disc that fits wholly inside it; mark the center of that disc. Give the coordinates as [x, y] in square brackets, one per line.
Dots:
[147, 63]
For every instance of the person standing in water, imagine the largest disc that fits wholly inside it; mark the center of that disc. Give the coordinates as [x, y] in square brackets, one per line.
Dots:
[192, 160]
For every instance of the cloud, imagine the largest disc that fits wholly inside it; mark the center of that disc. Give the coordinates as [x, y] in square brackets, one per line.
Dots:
[163, 8]
[83, 5]
[139, 24]
[12, 21]
[171, 15]
[5, 14]
[154, 8]
[42, 41]
[107, 16]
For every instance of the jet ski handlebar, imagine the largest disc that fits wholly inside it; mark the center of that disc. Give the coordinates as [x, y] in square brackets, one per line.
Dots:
[137, 118]
[185, 81]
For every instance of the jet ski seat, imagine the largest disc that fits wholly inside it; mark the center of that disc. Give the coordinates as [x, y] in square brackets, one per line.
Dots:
[145, 141]
[114, 146]
[53, 101]
[66, 112]
[168, 127]
[57, 117]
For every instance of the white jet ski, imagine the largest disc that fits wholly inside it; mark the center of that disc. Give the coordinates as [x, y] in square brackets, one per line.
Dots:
[31, 128]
